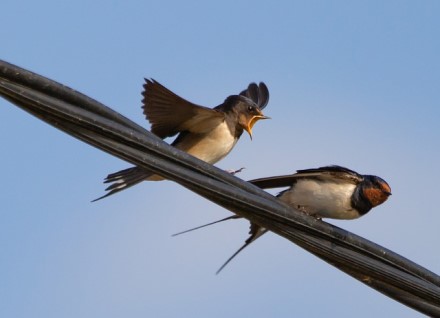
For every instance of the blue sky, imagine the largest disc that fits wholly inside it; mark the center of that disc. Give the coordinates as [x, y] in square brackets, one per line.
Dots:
[353, 83]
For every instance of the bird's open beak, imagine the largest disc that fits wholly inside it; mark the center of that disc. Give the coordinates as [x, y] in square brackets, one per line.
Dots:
[252, 122]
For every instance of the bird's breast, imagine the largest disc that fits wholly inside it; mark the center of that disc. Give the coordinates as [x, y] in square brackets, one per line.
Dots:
[210, 147]
[322, 199]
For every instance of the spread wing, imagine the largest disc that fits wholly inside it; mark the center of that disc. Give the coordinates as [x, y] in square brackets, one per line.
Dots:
[259, 94]
[170, 114]
[332, 173]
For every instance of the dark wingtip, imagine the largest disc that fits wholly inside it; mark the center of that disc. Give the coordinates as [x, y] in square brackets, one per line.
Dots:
[148, 81]
[259, 94]
[263, 95]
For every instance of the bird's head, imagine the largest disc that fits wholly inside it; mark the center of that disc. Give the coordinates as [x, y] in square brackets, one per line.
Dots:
[248, 113]
[376, 190]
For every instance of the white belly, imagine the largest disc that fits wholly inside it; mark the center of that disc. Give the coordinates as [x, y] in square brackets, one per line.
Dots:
[322, 199]
[211, 147]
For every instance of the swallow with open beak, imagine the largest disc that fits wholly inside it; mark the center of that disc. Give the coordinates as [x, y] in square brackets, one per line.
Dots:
[331, 192]
[207, 134]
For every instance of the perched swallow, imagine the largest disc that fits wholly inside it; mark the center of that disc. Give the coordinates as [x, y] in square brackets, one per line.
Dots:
[207, 134]
[328, 192]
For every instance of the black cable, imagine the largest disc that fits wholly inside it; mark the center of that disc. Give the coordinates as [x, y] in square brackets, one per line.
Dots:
[100, 126]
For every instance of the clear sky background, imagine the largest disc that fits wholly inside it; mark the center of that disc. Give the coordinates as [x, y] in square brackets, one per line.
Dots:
[353, 83]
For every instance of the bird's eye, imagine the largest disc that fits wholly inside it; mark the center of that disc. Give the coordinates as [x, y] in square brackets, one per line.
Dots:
[250, 108]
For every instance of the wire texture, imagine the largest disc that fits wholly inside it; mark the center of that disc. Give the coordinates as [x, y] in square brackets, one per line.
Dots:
[96, 124]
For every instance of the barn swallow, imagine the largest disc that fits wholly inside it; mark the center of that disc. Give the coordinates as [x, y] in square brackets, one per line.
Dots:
[331, 192]
[207, 134]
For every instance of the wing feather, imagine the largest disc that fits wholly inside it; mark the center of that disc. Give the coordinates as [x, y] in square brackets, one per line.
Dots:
[330, 173]
[259, 94]
[170, 114]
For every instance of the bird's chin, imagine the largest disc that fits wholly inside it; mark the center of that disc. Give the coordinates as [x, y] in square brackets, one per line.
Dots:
[248, 130]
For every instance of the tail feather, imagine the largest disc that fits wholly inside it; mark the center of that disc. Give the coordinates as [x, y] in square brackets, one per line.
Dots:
[208, 224]
[255, 232]
[124, 179]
